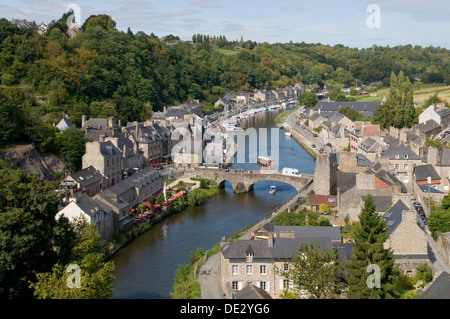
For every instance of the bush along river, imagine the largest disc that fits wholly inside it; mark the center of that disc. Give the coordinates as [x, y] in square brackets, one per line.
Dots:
[146, 267]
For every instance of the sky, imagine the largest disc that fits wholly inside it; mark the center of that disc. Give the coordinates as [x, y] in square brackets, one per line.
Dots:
[353, 23]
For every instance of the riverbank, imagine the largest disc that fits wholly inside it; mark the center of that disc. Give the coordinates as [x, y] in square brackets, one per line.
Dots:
[201, 190]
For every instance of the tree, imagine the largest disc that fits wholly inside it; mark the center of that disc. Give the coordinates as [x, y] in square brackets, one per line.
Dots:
[95, 275]
[7, 79]
[308, 99]
[314, 270]
[73, 147]
[31, 239]
[368, 254]
[102, 21]
[400, 101]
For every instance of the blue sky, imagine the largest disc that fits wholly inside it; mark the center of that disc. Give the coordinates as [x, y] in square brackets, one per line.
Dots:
[415, 22]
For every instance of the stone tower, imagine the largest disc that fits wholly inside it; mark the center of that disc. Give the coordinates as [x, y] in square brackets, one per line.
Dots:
[325, 175]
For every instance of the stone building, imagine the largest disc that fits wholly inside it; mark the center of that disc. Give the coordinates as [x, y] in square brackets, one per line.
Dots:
[148, 140]
[93, 211]
[407, 237]
[440, 160]
[88, 180]
[106, 158]
[260, 262]
[352, 188]
[132, 156]
[401, 160]
[98, 128]
[129, 193]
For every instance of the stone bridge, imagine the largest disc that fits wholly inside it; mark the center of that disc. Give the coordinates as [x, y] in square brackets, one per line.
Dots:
[243, 181]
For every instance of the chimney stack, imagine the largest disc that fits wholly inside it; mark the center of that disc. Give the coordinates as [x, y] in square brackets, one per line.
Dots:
[83, 120]
[270, 240]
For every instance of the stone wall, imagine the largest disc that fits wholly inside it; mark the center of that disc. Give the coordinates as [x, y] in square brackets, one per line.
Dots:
[408, 238]
[443, 246]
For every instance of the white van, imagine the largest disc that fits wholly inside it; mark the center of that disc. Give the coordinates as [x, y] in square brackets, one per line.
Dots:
[290, 172]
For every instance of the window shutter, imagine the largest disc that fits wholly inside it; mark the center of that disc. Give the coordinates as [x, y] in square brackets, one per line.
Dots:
[267, 286]
[258, 284]
[239, 285]
[281, 284]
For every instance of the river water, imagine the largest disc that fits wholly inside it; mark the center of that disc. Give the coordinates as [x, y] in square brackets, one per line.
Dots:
[145, 268]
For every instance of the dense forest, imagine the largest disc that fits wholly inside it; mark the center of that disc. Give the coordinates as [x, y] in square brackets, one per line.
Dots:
[102, 71]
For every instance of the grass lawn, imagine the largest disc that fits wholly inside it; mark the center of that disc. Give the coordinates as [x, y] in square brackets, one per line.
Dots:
[421, 93]
[426, 90]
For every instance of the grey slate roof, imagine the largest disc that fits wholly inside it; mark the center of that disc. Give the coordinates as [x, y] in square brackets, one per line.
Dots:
[400, 150]
[283, 248]
[443, 158]
[362, 160]
[108, 149]
[90, 205]
[421, 172]
[393, 217]
[64, 124]
[87, 176]
[382, 203]
[250, 291]
[439, 289]
[346, 181]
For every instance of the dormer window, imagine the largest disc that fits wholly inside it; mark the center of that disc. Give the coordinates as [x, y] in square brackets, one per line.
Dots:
[249, 257]
[397, 156]
[406, 156]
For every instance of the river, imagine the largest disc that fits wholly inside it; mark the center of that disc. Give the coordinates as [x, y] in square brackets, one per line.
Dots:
[145, 268]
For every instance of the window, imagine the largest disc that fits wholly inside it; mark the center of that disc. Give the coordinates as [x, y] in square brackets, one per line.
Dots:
[288, 284]
[286, 267]
[235, 270]
[405, 166]
[263, 285]
[406, 156]
[249, 269]
[262, 269]
[235, 285]
[397, 166]
[249, 257]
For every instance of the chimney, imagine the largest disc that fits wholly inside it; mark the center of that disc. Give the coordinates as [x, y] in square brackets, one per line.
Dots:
[83, 120]
[432, 156]
[270, 240]
[125, 151]
[110, 123]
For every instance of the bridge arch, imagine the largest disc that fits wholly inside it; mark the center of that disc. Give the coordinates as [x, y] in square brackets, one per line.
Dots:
[244, 182]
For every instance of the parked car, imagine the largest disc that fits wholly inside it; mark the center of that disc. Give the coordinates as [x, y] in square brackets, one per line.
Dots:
[159, 167]
[416, 204]
[315, 135]
[313, 146]
[303, 127]
[297, 123]
[321, 151]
